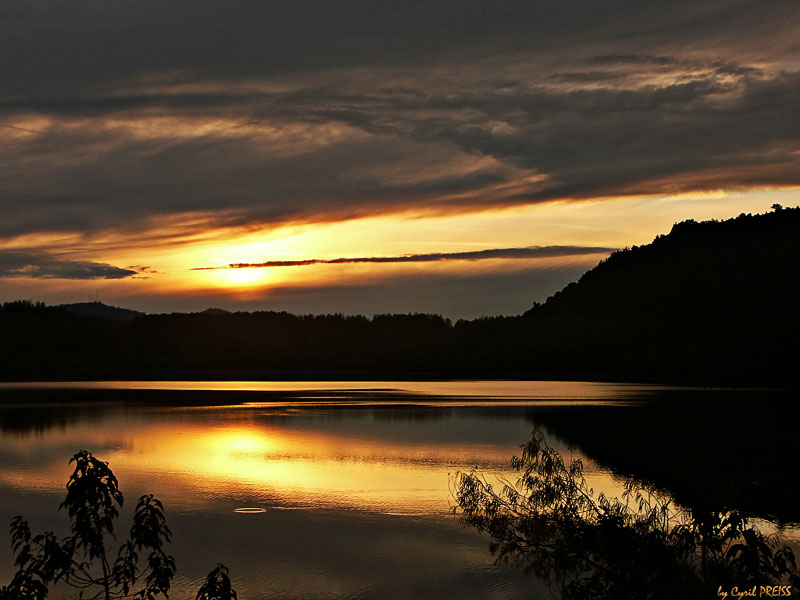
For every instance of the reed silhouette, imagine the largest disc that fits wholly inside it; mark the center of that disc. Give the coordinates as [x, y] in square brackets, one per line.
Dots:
[83, 560]
[584, 547]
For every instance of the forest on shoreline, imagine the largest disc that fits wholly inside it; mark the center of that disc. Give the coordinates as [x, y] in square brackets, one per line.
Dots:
[711, 301]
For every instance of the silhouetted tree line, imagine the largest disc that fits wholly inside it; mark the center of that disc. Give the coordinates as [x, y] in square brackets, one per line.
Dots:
[713, 300]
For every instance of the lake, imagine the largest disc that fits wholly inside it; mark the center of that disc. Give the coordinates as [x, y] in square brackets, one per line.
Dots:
[344, 489]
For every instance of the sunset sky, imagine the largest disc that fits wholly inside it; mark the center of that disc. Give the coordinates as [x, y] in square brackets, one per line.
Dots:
[464, 158]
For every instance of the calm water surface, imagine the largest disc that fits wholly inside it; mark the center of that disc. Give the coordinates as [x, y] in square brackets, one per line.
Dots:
[304, 489]
[428, 390]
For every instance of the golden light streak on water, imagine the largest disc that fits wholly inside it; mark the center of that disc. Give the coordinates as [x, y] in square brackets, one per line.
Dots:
[192, 466]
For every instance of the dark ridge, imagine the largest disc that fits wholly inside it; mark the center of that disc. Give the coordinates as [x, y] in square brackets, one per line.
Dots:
[101, 311]
[697, 270]
[717, 299]
[216, 311]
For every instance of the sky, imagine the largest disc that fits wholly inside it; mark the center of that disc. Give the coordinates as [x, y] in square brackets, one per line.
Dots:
[461, 158]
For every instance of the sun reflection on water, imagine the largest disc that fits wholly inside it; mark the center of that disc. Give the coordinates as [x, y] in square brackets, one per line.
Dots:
[297, 498]
[240, 465]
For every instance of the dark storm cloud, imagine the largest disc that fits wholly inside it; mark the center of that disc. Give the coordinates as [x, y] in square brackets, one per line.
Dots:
[114, 115]
[41, 266]
[508, 253]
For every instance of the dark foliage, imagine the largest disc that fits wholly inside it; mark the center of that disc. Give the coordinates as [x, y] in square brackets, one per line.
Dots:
[217, 586]
[551, 524]
[81, 560]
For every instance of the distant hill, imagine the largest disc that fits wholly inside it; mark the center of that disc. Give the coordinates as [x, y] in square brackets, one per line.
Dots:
[216, 311]
[101, 311]
[714, 301]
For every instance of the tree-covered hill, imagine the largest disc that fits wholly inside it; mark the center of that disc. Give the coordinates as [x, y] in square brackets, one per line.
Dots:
[702, 270]
[712, 299]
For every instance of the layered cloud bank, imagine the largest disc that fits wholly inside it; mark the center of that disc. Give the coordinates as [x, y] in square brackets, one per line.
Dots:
[43, 266]
[266, 112]
[138, 123]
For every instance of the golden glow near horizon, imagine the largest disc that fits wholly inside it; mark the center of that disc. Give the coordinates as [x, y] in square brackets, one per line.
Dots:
[171, 251]
[258, 465]
[241, 278]
[183, 160]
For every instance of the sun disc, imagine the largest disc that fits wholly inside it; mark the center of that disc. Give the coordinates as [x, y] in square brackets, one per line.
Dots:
[243, 277]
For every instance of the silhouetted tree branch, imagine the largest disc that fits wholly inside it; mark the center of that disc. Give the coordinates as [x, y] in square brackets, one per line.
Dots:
[217, 586]
[640, 546]
[93, 501]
